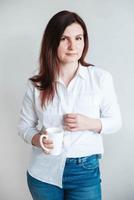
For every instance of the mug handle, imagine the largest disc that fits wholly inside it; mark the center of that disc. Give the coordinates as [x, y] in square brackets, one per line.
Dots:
[43, 136]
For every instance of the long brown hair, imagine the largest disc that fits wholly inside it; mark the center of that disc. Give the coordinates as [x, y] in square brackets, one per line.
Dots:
[48, 60]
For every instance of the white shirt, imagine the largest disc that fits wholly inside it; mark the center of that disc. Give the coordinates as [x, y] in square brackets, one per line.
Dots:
[91, 93]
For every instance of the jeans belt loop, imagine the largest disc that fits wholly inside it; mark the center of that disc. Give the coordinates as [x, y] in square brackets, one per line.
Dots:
[79, 160]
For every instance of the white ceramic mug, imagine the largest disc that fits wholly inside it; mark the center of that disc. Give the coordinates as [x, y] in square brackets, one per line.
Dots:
[56, 135]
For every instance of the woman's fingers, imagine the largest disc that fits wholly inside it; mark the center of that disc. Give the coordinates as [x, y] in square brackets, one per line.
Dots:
[70, 125]
[72, 129]
[49, 146]
[48, 143]
[70, 120]
[70, 116]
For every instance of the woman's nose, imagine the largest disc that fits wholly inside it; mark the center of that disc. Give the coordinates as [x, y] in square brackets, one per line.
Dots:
[71, 44]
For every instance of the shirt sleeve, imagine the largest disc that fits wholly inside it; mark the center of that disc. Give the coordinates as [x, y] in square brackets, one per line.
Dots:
[110, 115]
[28, 122]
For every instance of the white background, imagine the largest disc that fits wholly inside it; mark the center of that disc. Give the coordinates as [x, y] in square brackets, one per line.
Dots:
[111, 31]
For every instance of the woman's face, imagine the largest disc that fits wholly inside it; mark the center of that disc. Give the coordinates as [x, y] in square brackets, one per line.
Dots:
[71, 44]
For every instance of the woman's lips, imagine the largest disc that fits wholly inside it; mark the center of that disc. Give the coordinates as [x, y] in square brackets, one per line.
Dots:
[71, 54]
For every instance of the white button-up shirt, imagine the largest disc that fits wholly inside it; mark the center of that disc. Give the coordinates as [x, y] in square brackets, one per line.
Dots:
[91, 93]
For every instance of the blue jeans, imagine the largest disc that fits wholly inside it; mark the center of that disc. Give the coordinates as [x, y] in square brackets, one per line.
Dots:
[81, 181]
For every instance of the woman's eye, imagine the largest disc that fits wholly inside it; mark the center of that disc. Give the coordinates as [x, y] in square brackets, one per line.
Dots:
[79, 38]
[63, 38]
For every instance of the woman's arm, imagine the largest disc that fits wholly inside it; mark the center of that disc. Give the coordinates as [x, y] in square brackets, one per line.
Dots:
[110, 117]
[28, 122]
[78, 122]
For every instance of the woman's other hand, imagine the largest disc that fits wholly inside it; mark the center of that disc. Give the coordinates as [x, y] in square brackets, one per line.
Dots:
[79, 122]
[48, 143]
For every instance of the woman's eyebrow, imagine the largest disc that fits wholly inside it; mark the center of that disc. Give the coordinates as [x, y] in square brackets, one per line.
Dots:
[69, 36]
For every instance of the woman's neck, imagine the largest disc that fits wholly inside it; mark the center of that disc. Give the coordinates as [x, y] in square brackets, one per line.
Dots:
[68, 71]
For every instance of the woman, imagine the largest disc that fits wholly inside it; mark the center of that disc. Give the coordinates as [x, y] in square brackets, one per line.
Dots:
[69, 92]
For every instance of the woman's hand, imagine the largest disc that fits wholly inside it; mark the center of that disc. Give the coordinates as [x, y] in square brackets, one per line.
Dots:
[48, 143]
[79, 122]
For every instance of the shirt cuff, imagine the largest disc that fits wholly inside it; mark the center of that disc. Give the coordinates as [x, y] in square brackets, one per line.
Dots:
[29, 135]
[109, 125]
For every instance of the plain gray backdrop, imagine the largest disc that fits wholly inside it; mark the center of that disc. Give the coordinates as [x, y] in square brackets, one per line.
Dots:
[111, 32]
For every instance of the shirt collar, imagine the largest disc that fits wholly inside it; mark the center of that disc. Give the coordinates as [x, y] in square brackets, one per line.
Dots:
[82, 73]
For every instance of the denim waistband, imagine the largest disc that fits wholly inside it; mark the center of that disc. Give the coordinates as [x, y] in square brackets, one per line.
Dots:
[82, 159]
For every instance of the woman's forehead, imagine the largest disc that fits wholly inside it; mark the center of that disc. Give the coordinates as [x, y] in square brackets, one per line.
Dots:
[73, 29]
